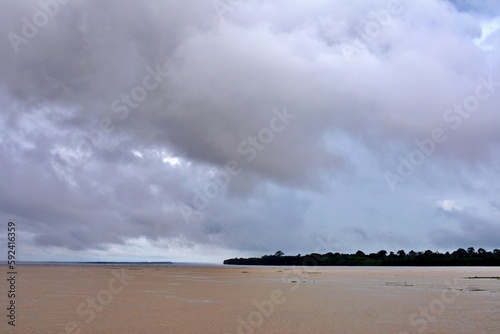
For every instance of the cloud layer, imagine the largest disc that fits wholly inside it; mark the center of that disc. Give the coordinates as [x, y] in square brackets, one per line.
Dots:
[248, 127]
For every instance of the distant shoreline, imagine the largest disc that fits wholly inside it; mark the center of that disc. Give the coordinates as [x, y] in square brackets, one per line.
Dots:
[106, 263]
[428, 258]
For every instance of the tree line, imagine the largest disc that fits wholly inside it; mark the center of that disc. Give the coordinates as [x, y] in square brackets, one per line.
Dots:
[460, 257]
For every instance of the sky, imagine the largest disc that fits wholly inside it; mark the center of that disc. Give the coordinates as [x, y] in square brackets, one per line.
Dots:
[196, 131]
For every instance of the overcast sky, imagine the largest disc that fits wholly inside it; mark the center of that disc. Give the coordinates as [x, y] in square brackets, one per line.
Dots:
[202, 130]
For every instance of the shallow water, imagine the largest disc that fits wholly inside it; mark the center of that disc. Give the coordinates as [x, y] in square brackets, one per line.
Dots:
[236, 299]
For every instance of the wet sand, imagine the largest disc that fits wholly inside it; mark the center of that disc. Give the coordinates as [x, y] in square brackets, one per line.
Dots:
[237, 299]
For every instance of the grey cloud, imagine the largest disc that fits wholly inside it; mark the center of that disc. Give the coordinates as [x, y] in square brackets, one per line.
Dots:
[471, 229]
[495, 204]
[354, 114]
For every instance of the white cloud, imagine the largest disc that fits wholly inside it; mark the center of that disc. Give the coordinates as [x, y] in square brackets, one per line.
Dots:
[449, 205]
[488, 28]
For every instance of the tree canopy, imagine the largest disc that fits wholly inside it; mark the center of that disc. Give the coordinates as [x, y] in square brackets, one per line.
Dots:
[460, 257]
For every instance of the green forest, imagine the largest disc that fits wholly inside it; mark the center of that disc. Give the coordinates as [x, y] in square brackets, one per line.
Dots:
[460, 257]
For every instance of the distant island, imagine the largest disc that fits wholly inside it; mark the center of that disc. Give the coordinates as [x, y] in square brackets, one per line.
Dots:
[460, 257]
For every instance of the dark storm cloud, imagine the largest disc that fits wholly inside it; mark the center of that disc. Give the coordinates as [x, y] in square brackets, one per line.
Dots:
[311, 100]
